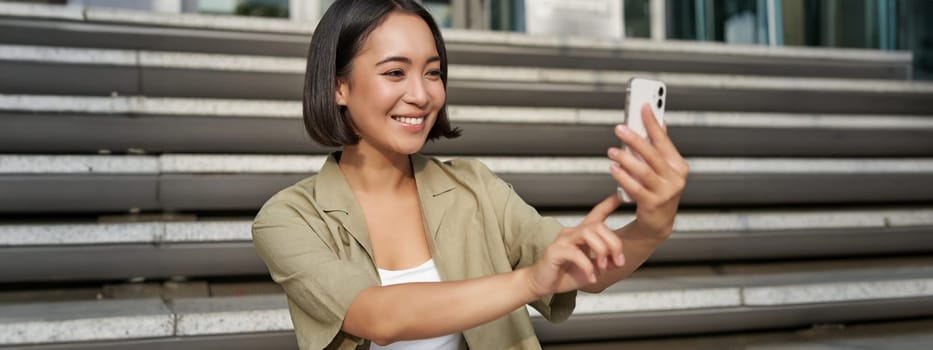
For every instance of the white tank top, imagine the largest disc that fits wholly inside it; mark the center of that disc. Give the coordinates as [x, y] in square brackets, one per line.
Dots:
[426, 272]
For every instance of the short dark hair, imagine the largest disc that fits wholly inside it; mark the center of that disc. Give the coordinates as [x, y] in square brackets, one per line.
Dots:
[339, 36]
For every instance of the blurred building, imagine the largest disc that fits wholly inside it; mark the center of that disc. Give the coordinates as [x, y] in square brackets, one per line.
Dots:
[868, 24]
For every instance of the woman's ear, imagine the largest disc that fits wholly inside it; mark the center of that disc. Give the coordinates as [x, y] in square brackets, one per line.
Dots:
[341, 91]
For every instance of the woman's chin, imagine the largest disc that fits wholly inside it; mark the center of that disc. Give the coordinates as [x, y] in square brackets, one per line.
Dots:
[409, 148]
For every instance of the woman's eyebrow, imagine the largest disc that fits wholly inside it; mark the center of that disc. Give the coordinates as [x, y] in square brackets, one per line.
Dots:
[405, 60]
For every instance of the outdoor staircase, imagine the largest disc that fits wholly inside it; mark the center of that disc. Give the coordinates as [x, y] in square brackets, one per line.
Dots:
[136, 147]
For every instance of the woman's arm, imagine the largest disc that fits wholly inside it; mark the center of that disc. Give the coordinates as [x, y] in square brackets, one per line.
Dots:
[424, 310]
[656, 185]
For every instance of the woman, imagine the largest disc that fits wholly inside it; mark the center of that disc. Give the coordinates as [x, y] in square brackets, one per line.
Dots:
[387, 247]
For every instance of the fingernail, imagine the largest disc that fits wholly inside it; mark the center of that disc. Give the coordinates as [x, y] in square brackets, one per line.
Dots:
[613, 152]
[622, 129]
[620, 259]
[614, 167]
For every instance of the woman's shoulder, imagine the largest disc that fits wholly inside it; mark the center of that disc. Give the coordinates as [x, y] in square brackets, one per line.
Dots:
[464, 169]
[297, 198]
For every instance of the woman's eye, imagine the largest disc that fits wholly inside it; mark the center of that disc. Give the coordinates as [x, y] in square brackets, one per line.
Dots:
[434, 73]
[394, 73]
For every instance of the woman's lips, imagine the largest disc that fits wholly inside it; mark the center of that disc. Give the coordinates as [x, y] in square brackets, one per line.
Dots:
[411, 124]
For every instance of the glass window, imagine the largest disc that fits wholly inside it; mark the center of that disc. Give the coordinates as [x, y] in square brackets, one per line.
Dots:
[915, 33]
[686, 20]
[731, 21]
[506, 15]
[255, 8]
[585, 18]
[224, 7]
[440, 10]
[737, 22]
[857, 24]
[637, 18]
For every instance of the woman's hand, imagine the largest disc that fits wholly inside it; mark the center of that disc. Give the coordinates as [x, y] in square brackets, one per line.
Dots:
[590, 255]
[579, 255]
[656, 183]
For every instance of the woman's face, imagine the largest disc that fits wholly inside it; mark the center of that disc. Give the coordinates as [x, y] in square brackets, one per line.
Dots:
[394, 90]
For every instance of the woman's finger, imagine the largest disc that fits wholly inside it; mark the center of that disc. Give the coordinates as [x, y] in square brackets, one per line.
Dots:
[654, 129]
[640, 145]
[637, 168]
[632, 187]
[659, 136]
[613, 243]
[599, 249]
[601, 211]
[580, 261]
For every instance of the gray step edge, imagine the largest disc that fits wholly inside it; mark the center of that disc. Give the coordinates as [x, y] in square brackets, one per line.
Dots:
[84, 321]
[269, 64]
[11, 164]
[268, 313]
[157, 106]
[688, 223]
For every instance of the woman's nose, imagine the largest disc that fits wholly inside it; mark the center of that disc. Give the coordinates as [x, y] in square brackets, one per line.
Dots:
[416, 93]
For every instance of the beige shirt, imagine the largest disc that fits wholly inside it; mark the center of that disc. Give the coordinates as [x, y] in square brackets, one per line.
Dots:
[314, 240]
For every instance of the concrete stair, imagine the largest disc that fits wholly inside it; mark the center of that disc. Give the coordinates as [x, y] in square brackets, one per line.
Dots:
[656, 301]
[135, 148]
[182, 247]
[907, 335]
[172, 182]
[182, 74]
[140, 124]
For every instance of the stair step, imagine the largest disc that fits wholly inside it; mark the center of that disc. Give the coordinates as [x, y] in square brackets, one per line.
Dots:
[899, 335]
[74, 251]
[74, 124]
[179, 74]
[84, 321]
[34, 183]
[700, 299]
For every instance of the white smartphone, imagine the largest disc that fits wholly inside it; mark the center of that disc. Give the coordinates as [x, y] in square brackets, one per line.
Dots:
[639, 92]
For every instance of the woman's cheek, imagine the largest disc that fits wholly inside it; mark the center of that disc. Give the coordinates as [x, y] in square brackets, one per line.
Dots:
[387, 93]
[438, 95]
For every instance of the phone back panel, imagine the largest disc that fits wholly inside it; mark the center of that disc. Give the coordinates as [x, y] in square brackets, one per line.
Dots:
[640, 92]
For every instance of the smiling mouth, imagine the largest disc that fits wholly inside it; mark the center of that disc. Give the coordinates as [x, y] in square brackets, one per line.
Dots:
[408, 120]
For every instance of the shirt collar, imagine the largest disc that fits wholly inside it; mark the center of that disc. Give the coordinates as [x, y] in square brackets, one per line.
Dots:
[436, 190]
[333, 194]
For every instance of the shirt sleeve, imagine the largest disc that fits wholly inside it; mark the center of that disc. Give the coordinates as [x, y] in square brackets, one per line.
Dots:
[527, 235]
[294, 246]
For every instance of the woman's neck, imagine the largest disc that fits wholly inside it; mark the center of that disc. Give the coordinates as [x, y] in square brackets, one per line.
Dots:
[370, 170]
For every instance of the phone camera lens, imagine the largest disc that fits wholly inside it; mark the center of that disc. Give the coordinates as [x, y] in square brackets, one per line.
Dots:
[660, 103]
[661, 91]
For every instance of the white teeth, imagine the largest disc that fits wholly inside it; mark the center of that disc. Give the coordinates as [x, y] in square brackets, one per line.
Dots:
[410, 121]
